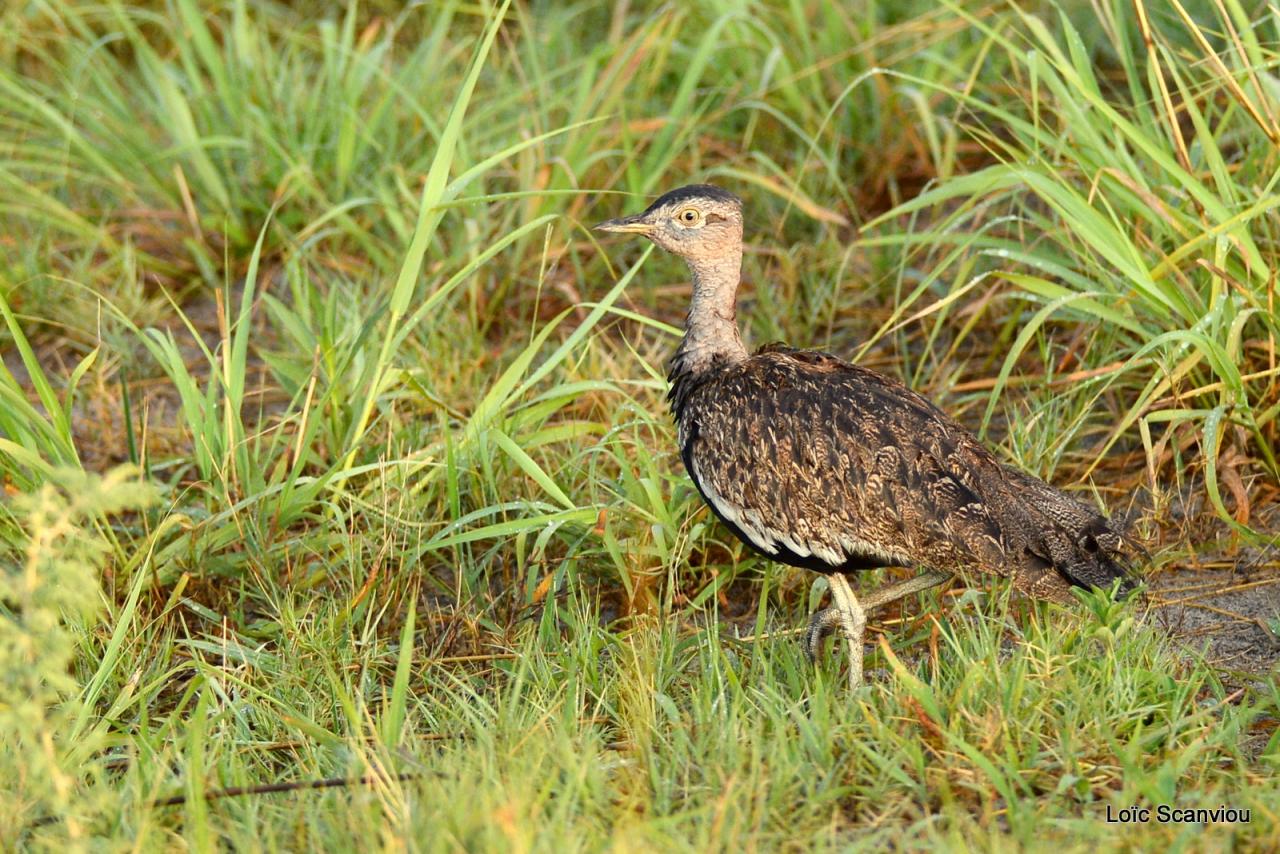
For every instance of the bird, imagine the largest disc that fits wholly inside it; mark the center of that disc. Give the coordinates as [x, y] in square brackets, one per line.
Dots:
[818, 463]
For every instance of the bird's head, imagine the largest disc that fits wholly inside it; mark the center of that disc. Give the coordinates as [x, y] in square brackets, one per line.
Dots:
[698, 222]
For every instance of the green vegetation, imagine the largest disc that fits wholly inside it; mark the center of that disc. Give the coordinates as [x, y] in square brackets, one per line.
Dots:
[333, 445]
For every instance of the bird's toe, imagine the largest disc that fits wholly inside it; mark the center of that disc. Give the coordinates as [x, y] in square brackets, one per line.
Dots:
[821, 624]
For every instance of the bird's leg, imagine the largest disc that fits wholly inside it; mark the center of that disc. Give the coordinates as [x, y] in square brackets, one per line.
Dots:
[899, 589]
[849, 615]
[846, 614]
[828, 620]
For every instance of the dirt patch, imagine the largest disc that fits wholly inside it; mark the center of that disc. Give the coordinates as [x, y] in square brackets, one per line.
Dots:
[1232, 616]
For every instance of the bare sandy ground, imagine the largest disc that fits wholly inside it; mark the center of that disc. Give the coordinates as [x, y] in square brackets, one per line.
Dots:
[1232, 616]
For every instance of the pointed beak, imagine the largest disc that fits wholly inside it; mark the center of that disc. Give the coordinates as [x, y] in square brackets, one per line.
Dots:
[634, 224]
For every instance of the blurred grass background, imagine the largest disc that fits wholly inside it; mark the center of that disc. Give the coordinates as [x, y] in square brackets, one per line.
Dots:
[399, 499]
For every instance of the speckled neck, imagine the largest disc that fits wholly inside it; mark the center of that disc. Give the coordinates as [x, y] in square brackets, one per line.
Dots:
[711, 331]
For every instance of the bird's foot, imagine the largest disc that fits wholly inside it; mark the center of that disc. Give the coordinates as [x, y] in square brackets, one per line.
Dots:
[848, 615]
[828, 621]
[845, 614]
[821, 625]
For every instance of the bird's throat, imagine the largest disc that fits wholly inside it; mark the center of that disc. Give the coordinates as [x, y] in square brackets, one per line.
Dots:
[711, 334]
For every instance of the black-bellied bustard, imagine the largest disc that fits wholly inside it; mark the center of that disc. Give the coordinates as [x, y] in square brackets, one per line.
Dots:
[821, 464]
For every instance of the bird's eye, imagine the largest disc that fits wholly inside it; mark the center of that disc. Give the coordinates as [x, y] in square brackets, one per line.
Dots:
[689, 216]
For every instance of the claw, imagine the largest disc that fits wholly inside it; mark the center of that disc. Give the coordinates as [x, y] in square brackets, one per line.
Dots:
[821, 625]
[848, 614]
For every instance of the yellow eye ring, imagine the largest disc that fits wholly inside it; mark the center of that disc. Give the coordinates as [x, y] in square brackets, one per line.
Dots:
[689, 216]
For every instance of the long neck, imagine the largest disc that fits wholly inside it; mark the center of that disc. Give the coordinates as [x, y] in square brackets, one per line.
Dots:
[711, 331]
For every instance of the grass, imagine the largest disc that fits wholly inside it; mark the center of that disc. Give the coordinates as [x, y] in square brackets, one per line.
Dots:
[334, 447]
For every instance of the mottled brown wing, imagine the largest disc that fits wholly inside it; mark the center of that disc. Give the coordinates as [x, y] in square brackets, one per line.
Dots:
[825, 465]
[822, 464]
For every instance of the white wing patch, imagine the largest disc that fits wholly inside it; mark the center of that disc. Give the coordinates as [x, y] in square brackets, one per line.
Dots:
[854, 546]
[767, 538]
[748, 521]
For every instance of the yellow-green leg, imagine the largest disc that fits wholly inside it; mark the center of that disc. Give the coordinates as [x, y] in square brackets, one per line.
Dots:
[850, 615]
